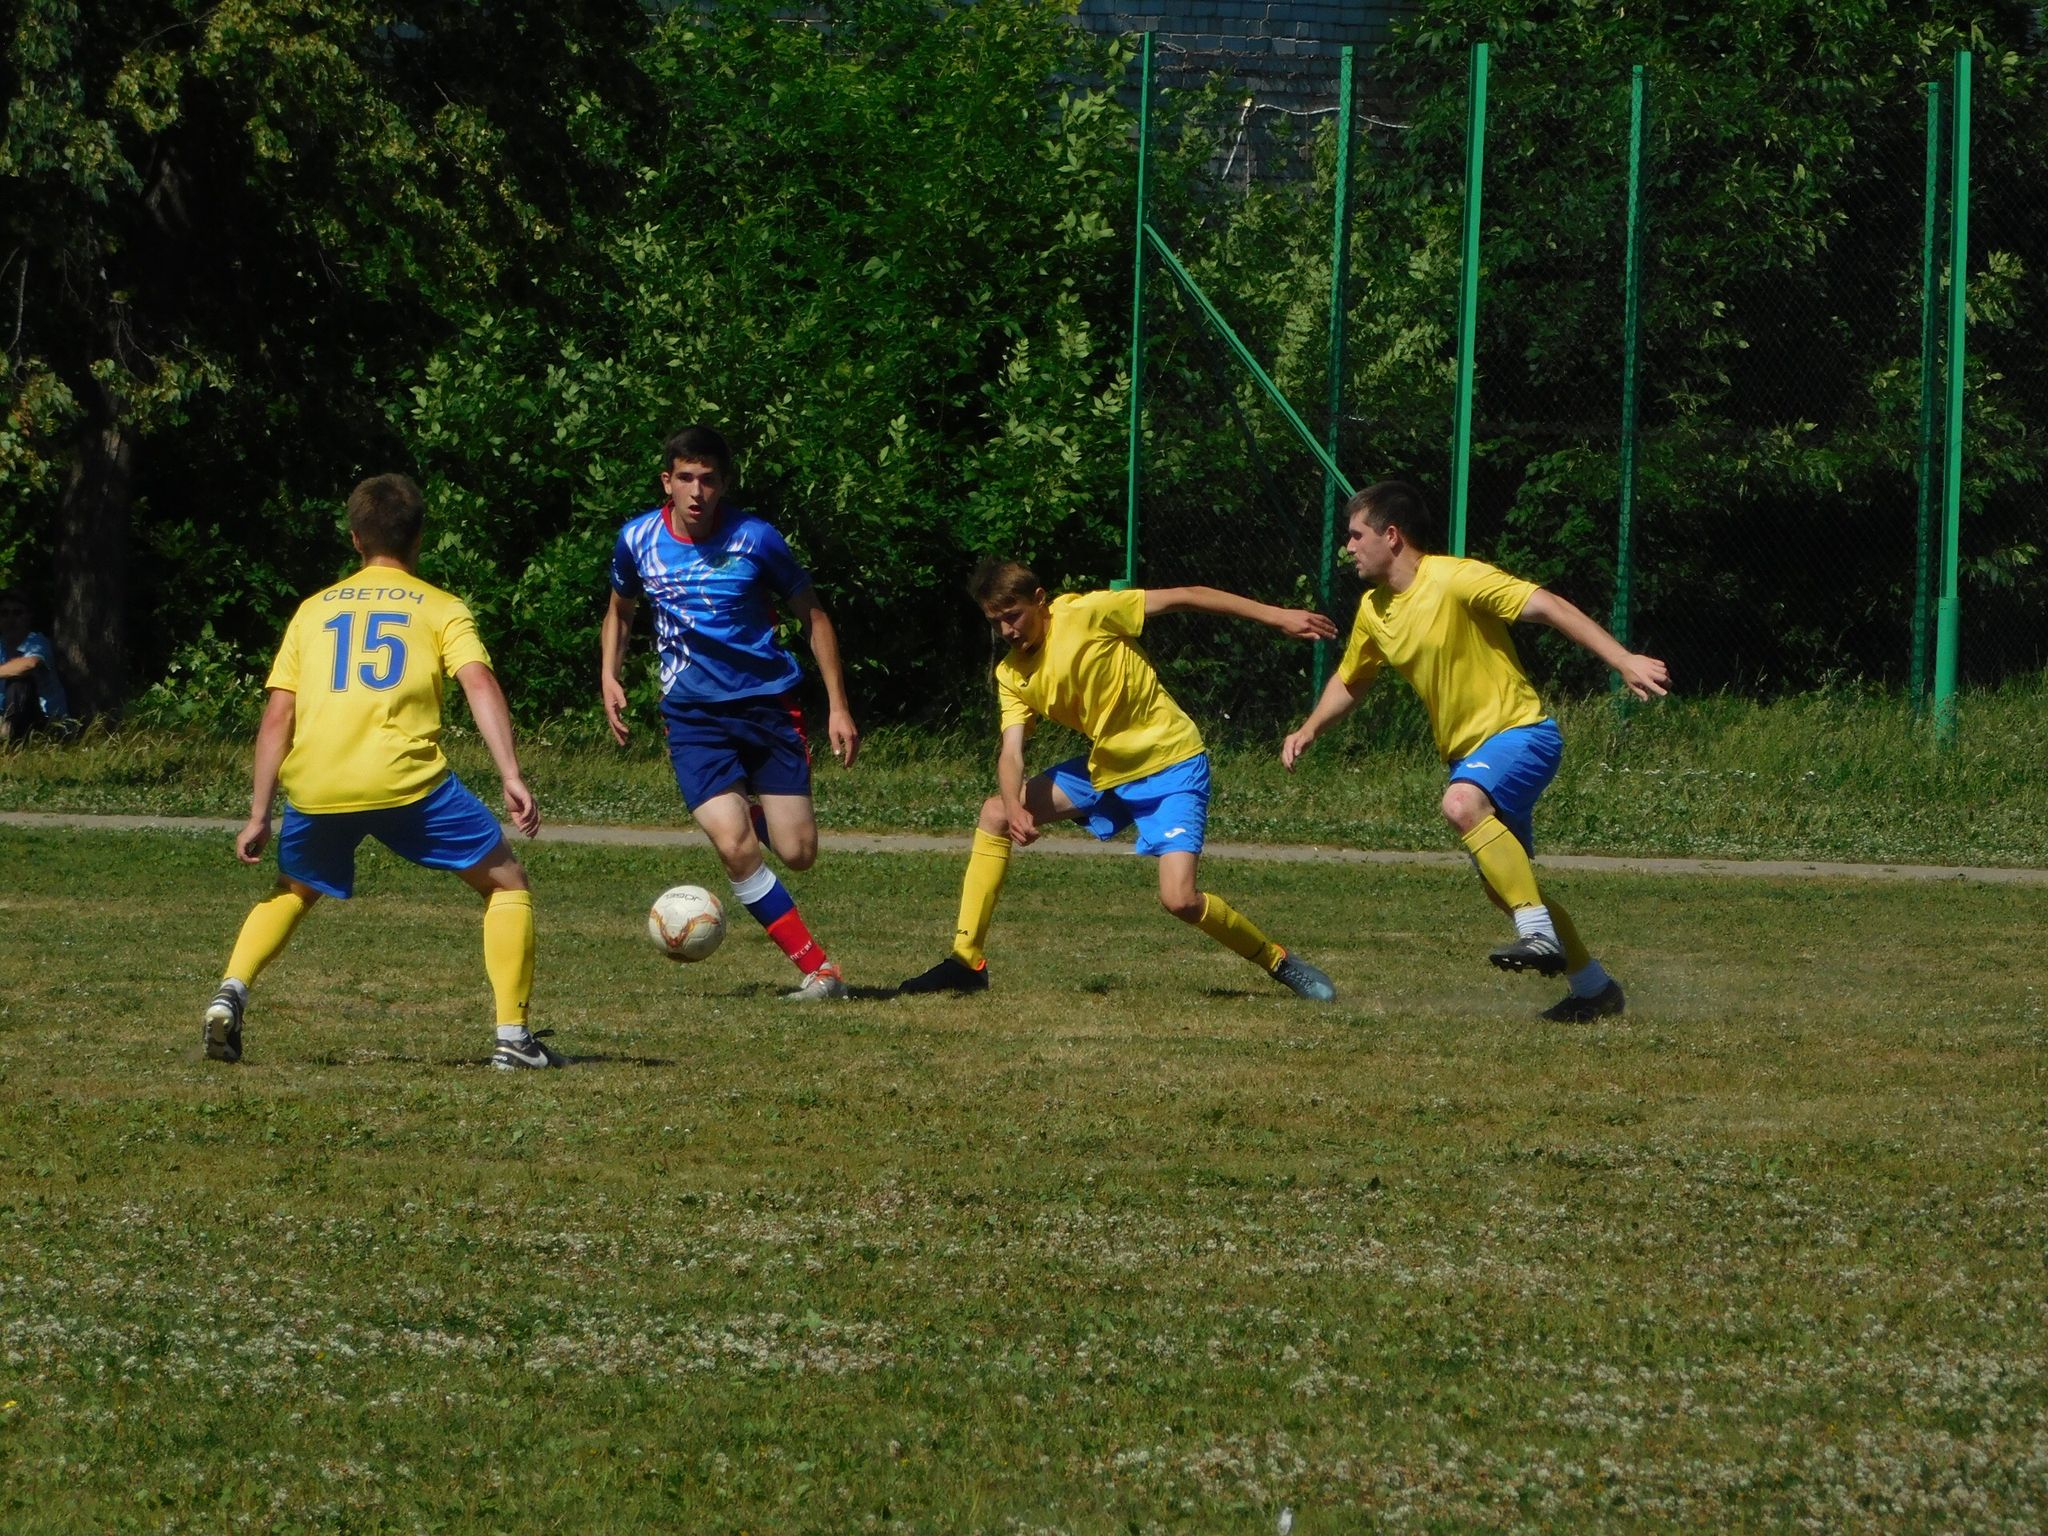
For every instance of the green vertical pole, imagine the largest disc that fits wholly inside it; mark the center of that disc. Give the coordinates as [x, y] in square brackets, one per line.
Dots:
[1340, 275]
[1631, 347]
[1948, 615]
[1924, 564]
[1468, 297]
[1134, 478]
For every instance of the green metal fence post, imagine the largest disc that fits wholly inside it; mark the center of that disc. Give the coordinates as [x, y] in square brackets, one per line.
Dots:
[1948, 616]
[1231, 339]
[1468, 298]
[1631, 339]
[1135, 471]
[1340, 274]
[1927, 469]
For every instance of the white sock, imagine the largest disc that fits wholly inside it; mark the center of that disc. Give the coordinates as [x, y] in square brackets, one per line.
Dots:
[512, 1032]
[753, 887]
[1590, 980]
[1532, 920]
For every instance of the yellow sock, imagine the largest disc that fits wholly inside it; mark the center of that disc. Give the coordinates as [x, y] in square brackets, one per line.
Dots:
[265, 932]
[1237, 933]
[1503, 863]
[508, 952]
[987, 863]
[1576, 956]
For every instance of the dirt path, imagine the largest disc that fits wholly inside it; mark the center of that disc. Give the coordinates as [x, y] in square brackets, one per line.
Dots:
[1071, 845]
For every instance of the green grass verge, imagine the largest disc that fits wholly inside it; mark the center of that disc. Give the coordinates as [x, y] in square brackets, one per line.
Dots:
[1134, 1242]
[1838, 776]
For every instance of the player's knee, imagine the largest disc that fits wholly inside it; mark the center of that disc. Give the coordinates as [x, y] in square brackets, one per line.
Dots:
[1465, 806]
[799, 853]
[994, 819]
[1185, 905]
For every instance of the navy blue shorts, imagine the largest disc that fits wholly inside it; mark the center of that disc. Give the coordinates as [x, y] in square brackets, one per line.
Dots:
[1169, 808]
[1514, 767]
[448, 828]
[755, 743]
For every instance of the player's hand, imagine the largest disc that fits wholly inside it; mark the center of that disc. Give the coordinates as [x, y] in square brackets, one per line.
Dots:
[250, 841]
[1304, 624]
[614, 693]
[844, 736]
[524, 808]
[1645, 676]
[1023, 827]
[1292, 748]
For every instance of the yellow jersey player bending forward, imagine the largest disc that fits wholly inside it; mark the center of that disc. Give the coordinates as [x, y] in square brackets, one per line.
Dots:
[352, 732]
[1442, 623]
[1074, 659]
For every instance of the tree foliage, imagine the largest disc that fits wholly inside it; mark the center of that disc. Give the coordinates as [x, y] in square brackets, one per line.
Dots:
[253, 250]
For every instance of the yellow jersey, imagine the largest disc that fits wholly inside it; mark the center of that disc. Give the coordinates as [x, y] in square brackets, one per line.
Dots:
[1448, 635]
[1090, 677]
[369, 660]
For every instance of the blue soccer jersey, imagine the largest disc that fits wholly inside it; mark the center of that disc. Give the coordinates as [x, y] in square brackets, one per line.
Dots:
[714, 618]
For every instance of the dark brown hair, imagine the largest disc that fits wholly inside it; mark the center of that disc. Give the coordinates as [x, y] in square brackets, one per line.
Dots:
[998, 583]
[698, 445]
[385, 514]
[1397, 504]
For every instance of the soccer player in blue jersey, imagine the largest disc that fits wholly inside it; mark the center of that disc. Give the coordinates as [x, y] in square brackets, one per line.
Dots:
[713, 573]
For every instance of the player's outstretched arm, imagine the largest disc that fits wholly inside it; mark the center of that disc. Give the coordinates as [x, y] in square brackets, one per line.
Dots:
[839, 728]
[494, 723]
[1644, 676]
[1300, 623]
[273, 740]
[1338, 700]
[618, 624]
[1010, 781]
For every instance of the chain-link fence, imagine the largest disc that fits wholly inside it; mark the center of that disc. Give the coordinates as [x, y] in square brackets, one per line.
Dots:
[1231, 496]
[1785, 528]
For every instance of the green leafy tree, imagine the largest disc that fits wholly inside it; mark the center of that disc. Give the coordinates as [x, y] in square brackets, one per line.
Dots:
[1781, 343]
[226, 228]
[885, 245]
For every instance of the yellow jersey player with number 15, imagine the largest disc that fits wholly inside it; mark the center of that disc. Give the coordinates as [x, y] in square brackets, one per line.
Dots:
[351, 732]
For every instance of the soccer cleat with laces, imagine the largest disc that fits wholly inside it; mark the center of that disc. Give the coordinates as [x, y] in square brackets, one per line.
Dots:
[1538, 952]
[951, 974]
[1573, 1009]
[1303, 979]
[822, 985]
[517, 1055]
[221, 1028]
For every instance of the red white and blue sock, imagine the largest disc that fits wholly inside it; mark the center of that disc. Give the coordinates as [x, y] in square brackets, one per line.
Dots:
[762, 894]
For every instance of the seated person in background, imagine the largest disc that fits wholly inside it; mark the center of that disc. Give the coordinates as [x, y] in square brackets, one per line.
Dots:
[28, 670]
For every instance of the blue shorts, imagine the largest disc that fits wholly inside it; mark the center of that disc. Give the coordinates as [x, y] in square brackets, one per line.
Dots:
[1514, 767]
[1170, 808]
[754, 743]
[448, 828]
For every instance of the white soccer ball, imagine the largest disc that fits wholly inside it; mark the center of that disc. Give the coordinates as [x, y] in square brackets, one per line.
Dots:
[686, 922]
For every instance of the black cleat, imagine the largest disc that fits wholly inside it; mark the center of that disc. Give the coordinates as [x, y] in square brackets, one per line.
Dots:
[221, 1027]
[515, 1055]
[1573, 1009]
[1538, 952]
[951, 974]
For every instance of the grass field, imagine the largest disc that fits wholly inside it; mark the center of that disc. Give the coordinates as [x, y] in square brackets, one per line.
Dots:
[1833, 776]
[1136, 1242]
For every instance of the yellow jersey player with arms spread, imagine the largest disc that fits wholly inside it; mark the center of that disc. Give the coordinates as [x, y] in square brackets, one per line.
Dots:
[1442, 623]
[1074, 660]
[351, 732]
